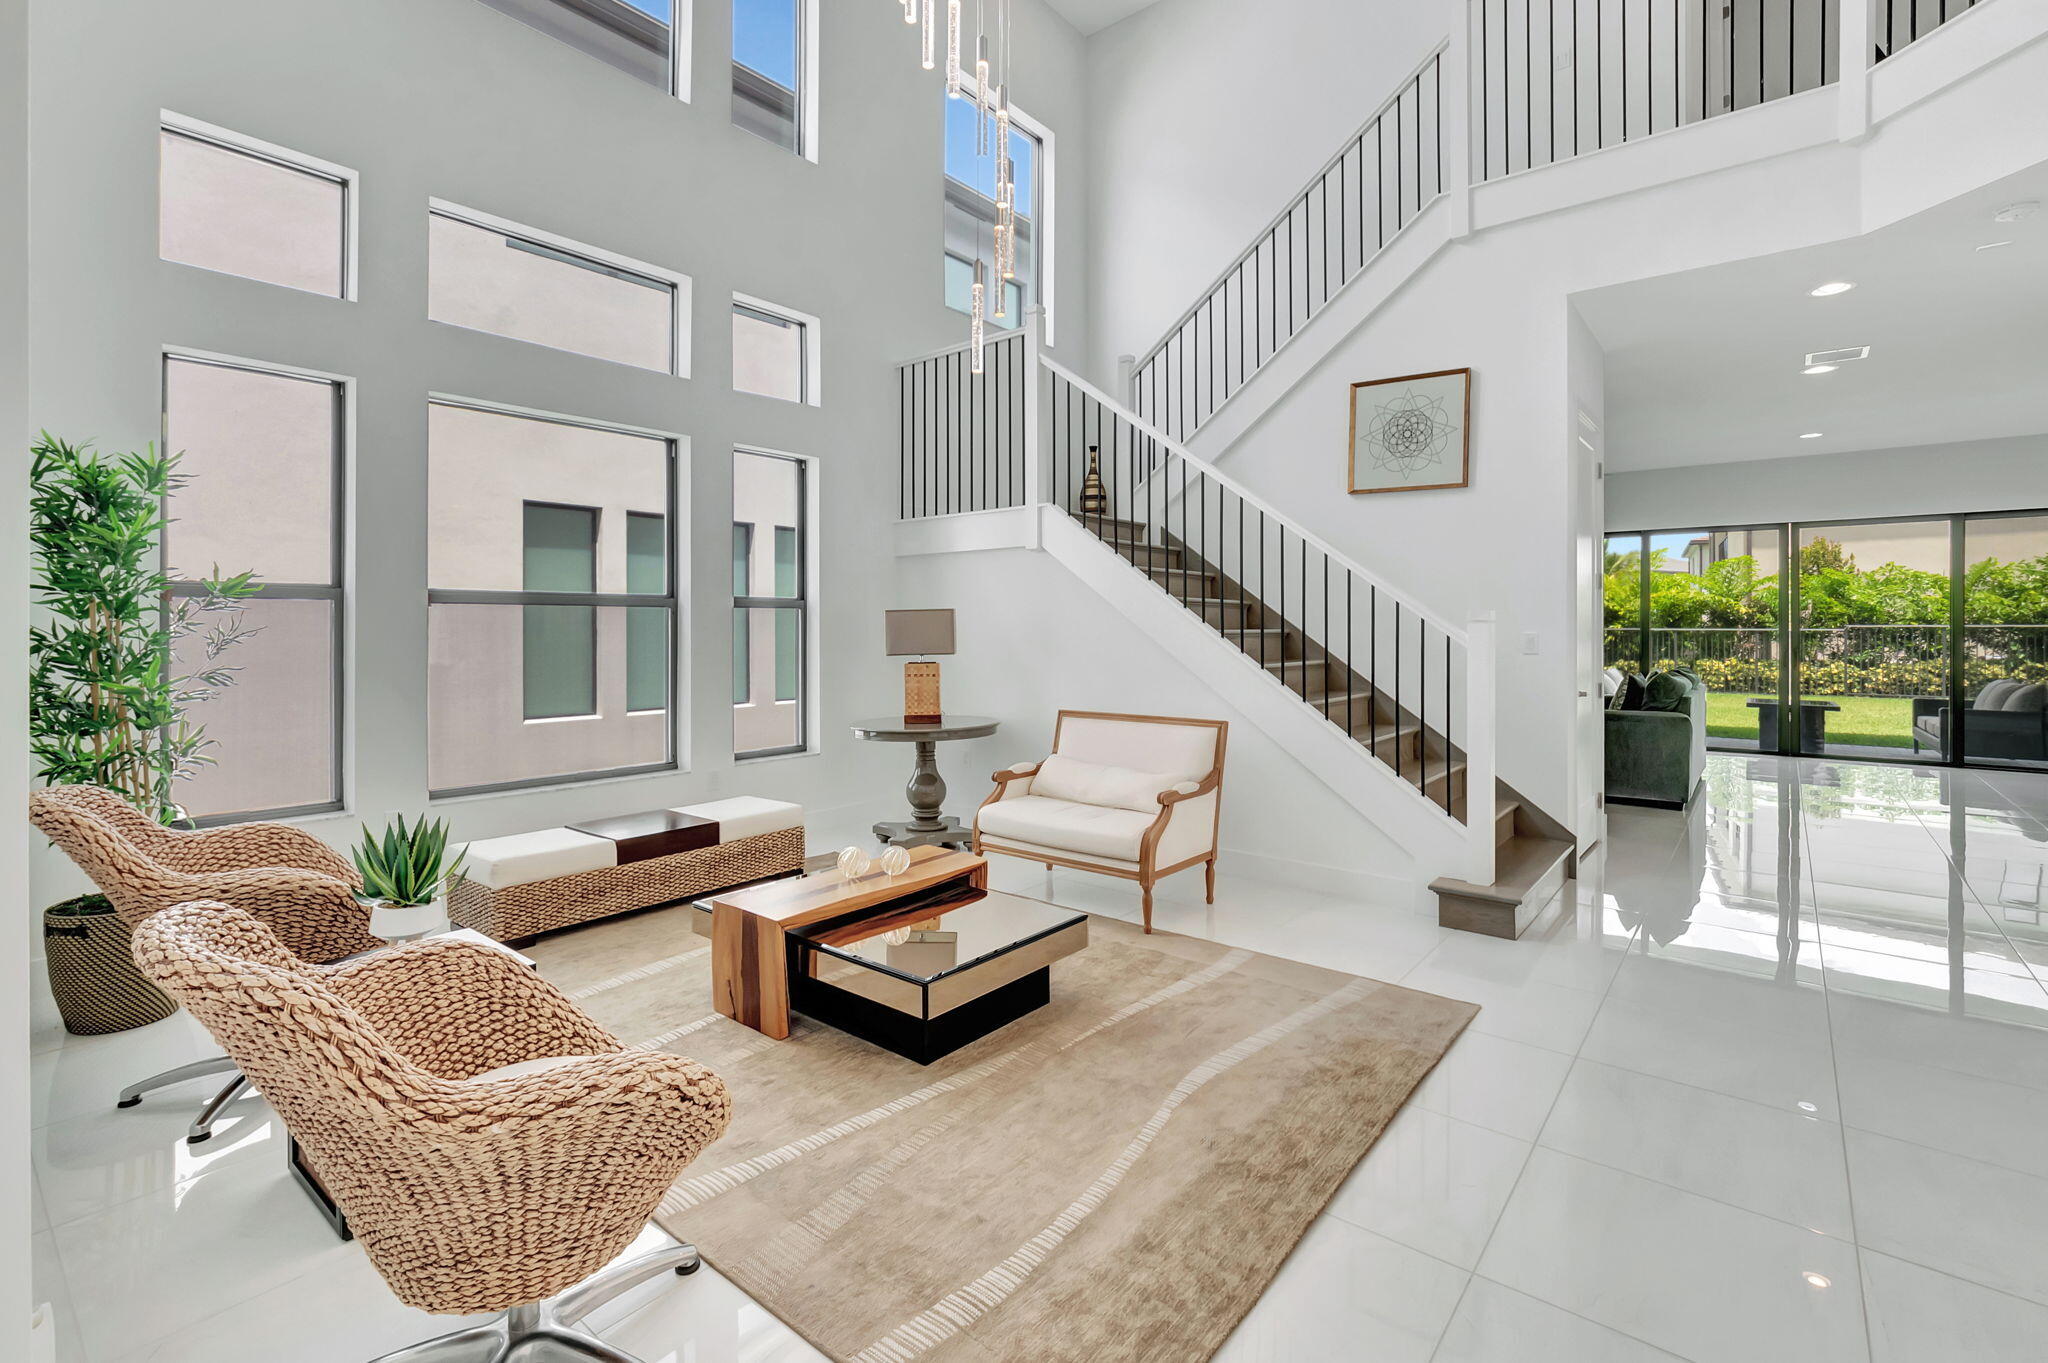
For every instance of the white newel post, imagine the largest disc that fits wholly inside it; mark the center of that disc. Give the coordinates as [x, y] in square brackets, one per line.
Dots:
[1456, 140]
[1481, 735]
[1852, 75]
[1034, 399]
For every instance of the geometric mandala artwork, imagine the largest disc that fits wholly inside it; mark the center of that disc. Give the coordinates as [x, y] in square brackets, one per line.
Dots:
[1410, 433]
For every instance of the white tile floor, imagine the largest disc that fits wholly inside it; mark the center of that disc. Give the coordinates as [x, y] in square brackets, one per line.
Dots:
[1770, 1081]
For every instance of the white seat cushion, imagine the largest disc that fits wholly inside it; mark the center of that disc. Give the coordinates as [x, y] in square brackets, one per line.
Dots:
[1092, 783]
[524, 858]
[525, 1067]
[745, 816]
[1094, 830]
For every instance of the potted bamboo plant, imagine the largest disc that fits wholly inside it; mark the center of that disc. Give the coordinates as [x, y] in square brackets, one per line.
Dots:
[108, 703]
[407, 874]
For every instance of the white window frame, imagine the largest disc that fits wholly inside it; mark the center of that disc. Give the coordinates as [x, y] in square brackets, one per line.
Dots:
[811, 702]
[1047, 231]
[344, 595]
[682, 284]
[228, 139]
[807, 65]
[680, 689]
[811, 384]
[682, 27]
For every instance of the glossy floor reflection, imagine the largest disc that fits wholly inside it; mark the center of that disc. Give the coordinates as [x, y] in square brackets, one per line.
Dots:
[1770, 1081]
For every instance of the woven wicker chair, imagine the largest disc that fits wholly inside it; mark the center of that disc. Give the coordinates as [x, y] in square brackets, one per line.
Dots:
[428, 1085]
[287, 878]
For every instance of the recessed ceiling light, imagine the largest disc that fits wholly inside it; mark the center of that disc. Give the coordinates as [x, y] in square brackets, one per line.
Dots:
[1994, 245]
[1810, 435]
[1817, 1279]
[1833, 287]
[1819, 369]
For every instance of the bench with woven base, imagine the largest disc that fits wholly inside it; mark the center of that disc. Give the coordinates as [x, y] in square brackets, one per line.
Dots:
[531, 883]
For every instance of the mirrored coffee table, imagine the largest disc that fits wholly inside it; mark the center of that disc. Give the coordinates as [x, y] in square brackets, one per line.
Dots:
[925, 979]
[920, 963]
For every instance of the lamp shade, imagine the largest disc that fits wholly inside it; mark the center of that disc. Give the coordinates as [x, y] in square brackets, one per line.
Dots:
[919, 634]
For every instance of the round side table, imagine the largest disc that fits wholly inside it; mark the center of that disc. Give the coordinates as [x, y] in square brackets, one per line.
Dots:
[928, 825]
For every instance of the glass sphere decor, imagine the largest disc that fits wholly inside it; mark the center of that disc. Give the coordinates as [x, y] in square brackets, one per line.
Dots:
[896, 861]
[854, 863]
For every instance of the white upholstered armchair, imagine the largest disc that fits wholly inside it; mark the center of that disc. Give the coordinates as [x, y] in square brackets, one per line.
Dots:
[1132, 796]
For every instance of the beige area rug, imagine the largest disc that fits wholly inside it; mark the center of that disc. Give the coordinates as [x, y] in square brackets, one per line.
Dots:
[1118, 1175]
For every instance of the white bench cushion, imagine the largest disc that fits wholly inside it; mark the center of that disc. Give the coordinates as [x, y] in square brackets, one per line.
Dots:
[1094, 830]
[745, 816]
[523, 858]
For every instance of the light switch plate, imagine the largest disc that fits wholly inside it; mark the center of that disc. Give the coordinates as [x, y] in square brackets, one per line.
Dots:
[1529, 642]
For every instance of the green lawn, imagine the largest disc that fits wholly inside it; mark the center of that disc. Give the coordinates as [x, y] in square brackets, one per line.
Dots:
[1864, 721]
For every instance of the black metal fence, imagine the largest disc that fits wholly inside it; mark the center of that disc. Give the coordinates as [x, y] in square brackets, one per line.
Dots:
[1375, 186]
[1900, 22]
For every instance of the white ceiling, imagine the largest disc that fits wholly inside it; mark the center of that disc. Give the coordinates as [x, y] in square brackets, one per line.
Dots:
[1091, 16]
[1704, 367]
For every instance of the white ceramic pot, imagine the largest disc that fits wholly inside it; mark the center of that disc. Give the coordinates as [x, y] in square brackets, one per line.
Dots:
[397, 923]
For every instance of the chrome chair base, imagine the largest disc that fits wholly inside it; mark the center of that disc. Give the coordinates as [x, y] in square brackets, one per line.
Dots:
[547, 1330]
[202, 1125]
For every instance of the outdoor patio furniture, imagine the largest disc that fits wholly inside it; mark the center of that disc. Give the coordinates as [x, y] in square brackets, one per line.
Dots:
[1813, 724]
[2007, 721]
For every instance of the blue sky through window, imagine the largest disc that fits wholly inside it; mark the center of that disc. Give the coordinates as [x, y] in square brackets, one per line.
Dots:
[979, 172]
[660, 9]
[763, 37]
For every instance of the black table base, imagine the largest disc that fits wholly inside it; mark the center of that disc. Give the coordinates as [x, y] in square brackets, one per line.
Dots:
[921, 1039]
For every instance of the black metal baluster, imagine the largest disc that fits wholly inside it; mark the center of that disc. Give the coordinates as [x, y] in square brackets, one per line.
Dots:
[1372, 663]
[1304, 617]
[1350, 673]
[1265, 625]
[1241, 576]
[1397, 686]
[1485, 96]
[1437, 63]
[1528, 88]
[1447, 728]
[1422, 711]
[1326, 634]
[1599, 74]
[1379, 208]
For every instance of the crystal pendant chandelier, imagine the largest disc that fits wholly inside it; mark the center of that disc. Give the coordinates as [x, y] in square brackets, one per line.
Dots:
[992, 125]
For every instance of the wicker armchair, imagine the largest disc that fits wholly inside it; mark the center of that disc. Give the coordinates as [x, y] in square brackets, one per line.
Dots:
[490, 1144]
[285, 877]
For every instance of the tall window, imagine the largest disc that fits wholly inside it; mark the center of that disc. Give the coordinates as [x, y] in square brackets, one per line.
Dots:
[639, 37]
[774, 351]
[242, 207]
[971, 214]
[770, 618]
[491, 275]
[768, 70]
[559, 643]
[552, 599]
[260, 490]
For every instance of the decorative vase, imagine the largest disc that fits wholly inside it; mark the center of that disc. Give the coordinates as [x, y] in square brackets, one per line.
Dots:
[397, 923]
[88, 952]
[1094, 496]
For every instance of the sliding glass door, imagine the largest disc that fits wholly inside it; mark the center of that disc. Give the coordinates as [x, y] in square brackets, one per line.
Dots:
[2002, 720]
[1872, 615]
[1914, 640]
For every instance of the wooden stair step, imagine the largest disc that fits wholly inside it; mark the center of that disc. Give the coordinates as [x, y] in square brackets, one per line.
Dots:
[1504, 821]
[1191, 581]
[1527, 870]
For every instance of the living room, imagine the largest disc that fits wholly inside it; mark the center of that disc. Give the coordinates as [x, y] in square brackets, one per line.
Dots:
[800, 679]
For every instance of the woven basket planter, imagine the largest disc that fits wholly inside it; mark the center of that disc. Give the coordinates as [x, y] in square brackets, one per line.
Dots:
[549, 905]
[92, 971]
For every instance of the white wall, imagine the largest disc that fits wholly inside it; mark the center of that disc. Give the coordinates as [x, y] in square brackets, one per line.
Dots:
[1033, 640]
[1977, 475]
[1205, 118]
[20, 927]
[450, 99]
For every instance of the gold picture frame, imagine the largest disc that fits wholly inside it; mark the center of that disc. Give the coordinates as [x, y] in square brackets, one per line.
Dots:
[1414, 438]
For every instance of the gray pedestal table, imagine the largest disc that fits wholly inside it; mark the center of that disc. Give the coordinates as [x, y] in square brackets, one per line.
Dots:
[928, 825]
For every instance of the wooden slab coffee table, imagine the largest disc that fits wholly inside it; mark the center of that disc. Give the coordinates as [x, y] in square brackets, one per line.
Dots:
[749, 928]
[920, 964]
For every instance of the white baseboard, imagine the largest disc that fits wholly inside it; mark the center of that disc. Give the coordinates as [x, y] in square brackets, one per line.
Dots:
[1372, 887]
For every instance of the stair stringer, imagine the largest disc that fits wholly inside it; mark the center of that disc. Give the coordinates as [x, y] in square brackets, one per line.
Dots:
[1437, 842]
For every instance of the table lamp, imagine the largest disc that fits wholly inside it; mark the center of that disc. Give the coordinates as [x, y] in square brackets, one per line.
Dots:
[920, 634]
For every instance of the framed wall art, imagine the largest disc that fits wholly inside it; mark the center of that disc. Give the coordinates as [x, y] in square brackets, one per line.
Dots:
[1412, 433]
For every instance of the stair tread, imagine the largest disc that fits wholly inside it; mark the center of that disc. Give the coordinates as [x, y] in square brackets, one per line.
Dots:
[1522, 861]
